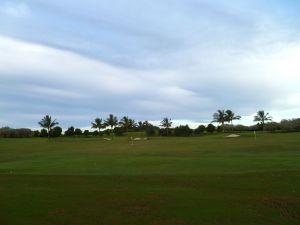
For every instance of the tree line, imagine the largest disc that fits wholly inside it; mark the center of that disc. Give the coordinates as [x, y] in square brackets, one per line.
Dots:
[111, 126]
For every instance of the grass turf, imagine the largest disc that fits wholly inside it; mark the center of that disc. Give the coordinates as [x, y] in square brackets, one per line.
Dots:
[209, 180]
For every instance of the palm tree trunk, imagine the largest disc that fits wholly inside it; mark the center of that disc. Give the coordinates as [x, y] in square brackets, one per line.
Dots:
[48, 133]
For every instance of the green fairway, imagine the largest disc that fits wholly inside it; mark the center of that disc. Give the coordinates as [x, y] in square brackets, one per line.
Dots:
[209, 180]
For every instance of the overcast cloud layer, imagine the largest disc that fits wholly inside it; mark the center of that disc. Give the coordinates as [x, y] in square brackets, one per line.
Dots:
[184, 59]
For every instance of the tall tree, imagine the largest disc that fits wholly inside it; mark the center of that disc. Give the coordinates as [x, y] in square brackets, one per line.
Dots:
[230, 116]
[166, 123]
[132, 123]
[126, 123]
[70, 131]
[262, 117]
[220, 117]
[140, 125]
[146, 124]
[98, 124]
[48, 124]
[111, 121]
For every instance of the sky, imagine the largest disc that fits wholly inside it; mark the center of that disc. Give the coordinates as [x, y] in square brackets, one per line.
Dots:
[182, 59]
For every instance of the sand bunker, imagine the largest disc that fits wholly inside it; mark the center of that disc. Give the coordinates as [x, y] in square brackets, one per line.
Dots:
[233, 136]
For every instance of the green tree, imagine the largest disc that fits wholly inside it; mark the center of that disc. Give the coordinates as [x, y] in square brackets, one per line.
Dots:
[146, 124]
[166, 123]
[210, 128]
[43, 133]
[36, 133]
[262, 117]
[200, 129]
[111, 121]
[48, 123]
[140, 125]
[230, 116]
[119, 131]
[70, 131]
[220, 117]
[78, 132]
[183, 131]
[86, 133]
[132, 123]
[125, 122]
[150, 130]
[98, 124]
[56, 132]
[96, 133]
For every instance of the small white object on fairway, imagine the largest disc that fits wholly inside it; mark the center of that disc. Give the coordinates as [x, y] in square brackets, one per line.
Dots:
[107, 139]
[138, 139]
[233, 136]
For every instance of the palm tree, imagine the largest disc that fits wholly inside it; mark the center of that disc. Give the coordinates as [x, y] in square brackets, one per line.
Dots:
[111, 121]
[146, 124]
[166, 123]
[125, 122]
[230, 116]
[220, 117]
[132, 123]
[262, 117]
[98, 124]
[140, 125]
[48, 124]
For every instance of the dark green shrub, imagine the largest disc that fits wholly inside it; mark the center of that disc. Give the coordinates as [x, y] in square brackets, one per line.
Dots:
[183, 131]
[199, 130]
[70, 131]
[56, 132]
[78, 132]
[210, 128]
[44, 133]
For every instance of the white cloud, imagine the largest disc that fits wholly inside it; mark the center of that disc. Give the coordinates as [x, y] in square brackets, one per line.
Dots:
[20, 59]
[187, 93]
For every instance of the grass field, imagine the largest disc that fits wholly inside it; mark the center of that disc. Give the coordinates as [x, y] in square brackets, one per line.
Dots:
[209, 180]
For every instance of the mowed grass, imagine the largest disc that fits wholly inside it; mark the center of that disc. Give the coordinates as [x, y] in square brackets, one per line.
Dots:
[209, 180]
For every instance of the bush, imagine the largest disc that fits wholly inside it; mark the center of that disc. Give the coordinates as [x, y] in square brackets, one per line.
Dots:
[183, 131]
[272, 126]
[119, 131]
[150, 131]
[220, 129]
[15, 133]
[56, 132]
[241, 128]
[210, 128]
[36, 133]
[164, 132]
[95, 133]
[70, 131]
[199, 130]
[107, 132]
[290, 125]
[78, 132]
[86, 133]
[23, 132]
[44, 133]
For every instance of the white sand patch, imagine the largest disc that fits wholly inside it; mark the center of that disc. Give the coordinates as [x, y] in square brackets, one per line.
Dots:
[233, 136]
[107, 139]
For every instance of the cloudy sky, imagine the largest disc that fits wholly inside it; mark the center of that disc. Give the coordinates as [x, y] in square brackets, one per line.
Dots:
[147, 59]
